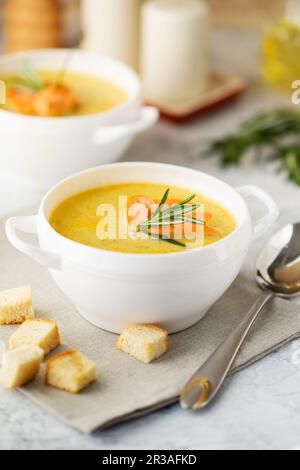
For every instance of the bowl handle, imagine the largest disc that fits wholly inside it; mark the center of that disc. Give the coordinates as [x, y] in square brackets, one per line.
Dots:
[29, 225]
[106, 134]
[262, 224]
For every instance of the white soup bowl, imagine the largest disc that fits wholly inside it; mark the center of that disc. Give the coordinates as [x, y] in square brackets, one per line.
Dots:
[37, 152]
[111, 289]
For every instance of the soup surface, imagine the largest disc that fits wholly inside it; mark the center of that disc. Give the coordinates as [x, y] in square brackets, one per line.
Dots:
[93, 94]
[79, 218]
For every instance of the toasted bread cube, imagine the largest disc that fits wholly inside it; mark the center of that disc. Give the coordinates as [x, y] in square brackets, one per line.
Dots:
[16, 306]
[70, 371]
[144, 342]
[20, 366]
[38, 332]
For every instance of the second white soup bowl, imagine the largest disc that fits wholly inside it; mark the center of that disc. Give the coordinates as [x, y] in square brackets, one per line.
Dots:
[111, 289]
[37, 152]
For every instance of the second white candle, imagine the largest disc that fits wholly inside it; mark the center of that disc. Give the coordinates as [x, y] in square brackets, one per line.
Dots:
[175, 45]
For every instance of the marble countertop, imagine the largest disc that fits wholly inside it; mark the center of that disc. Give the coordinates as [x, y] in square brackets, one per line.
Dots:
[259, 408]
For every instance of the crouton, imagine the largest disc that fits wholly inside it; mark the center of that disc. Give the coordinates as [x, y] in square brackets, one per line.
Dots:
[16, 305]
[20, 366]
[144, 342]
[70, 371]
[37, 332]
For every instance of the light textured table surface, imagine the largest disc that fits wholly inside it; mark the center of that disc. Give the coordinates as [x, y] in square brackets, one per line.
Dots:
[259, 407]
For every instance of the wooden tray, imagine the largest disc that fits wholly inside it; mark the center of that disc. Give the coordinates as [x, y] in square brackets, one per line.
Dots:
[222, 90]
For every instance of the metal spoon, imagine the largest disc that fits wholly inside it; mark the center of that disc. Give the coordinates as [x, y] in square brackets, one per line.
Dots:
[278, 273]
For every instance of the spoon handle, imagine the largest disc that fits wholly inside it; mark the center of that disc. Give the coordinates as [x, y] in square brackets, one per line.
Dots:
[206, 382]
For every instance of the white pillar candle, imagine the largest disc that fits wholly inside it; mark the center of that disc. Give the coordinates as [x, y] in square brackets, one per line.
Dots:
[175, 43]
[112, 28]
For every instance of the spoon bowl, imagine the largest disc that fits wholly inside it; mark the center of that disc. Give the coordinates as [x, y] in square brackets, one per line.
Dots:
[278, 265]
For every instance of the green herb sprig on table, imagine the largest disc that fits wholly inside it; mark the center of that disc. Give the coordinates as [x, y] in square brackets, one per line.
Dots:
[174, 215]
[265, 135]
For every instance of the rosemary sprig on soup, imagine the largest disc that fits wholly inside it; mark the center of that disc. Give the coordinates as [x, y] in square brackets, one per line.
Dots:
[59, 93]
[29, 79]
[168, 217]
[142, 218]
[32, 94]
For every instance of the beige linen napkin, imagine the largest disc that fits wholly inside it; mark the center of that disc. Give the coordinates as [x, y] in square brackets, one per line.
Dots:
[126, 388]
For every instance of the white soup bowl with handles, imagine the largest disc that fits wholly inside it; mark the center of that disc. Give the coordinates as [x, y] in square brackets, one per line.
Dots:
[112, 289]
[37, 152]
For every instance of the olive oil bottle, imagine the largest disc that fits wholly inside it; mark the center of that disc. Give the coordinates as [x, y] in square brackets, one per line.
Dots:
[281, 47]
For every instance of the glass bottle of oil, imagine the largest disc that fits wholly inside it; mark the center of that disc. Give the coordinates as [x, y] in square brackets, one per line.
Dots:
[281, 47]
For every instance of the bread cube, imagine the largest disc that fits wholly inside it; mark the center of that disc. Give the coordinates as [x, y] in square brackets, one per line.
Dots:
[37, 332]
[16, 305]
[20, 366]
[70, 371]
[144, 342]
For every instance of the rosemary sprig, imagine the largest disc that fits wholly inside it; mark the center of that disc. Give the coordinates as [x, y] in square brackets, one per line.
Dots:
[63, 70]
[169, 240]
[161, 204]
[186, 201]
[163, 223]
[175, 215]
[179, 210]
[193, 220]
[29, 78]
[290, 156]
[265, 135]
[180, 204]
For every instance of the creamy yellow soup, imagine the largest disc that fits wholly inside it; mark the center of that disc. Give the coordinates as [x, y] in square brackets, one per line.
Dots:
[94, 94]
[78, 218]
